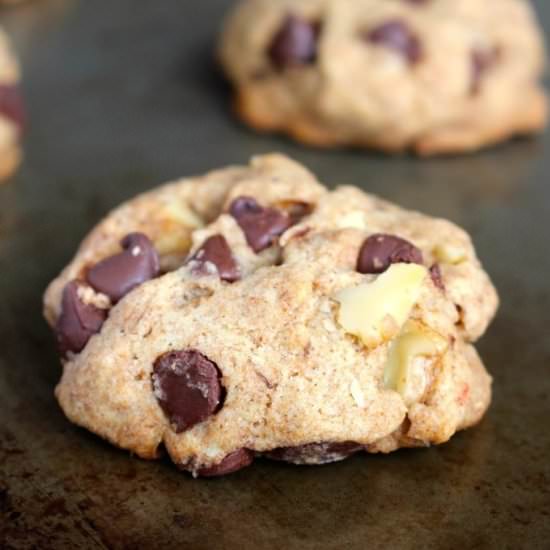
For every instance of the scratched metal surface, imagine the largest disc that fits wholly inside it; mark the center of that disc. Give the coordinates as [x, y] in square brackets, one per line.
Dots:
[123, 96]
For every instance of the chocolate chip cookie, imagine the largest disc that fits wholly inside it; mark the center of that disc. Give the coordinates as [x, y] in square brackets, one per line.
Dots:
[252, 312]
[12, 115]
[431, 76]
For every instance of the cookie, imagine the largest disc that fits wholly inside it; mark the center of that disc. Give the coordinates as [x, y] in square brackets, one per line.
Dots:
[431, 76]
[12, 115]
[253, 312]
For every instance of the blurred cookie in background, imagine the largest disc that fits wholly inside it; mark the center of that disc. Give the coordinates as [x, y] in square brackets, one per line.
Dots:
[431, 76]
[12, 113]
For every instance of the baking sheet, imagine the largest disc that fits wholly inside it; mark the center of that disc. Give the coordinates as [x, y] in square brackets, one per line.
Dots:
[123, 96]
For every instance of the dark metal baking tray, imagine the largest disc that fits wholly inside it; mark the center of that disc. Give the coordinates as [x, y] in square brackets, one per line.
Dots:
[123, 96]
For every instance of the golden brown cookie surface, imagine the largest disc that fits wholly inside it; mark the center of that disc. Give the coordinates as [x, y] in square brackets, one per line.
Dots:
[284, 320]
[433, 76]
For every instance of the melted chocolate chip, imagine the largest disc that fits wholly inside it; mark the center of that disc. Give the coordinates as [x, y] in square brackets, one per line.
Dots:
[311, 452]
[379, 251]
[396, 35]
[187, 386]
[78, 321]
[481, 61]
[119, 274]
[261, 226]
[215, 250]
[295, 43]
[437, 277]
[231, 463]
[11, 105]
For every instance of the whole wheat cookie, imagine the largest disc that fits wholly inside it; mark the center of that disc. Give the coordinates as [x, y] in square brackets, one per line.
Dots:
[12, 115]
[252, 312]
[432, 76]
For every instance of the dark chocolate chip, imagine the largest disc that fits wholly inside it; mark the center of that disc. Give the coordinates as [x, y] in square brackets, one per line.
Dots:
[311, 452]
[295, 43]
[437, 276]
[379, 251]
[231, 463]
[78, 321]
[187, 386]
[244, 206]
[261, 226]
[119, 274]
[11, 105]
[215, 250]
[396, 35]
[481, 61]
[418, 2]
[345, 447]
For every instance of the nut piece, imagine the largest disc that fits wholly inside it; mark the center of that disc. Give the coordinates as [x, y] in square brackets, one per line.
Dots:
[355, 219]
[449, 254]
[376, 311]
[177, 222]
[414, 341]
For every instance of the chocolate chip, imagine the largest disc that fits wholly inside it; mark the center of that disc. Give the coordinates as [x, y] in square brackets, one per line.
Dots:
[215, 250]
[396, 35]
[78, 321]
[437, 277]
[346, 447]
[379, 251]
[187, 386]
[419, 2]
[261, 226]
[315, 452]
[231, 463]
[295, 43]
[481, 61]
[11, 105]
[117, 275]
